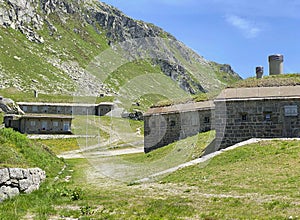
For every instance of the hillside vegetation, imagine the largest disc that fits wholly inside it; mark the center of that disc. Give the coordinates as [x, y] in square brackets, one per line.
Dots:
[258, 181]
[17, 151]
[90, 48]
[269, 81]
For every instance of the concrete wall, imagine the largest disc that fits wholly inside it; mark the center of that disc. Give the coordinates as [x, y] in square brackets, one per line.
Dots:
[42, 125]
[103, 109]
[240, 120]
[14, 181]
[163, 129]
[68, 109]
[63, 110]
[45, 125]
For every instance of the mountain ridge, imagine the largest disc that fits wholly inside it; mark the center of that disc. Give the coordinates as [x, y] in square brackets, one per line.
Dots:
[64, 37]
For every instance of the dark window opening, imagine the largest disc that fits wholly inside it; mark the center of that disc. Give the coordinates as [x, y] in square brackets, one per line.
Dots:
[173, 123]
[267, 116]
[206, 120]
[244, 117]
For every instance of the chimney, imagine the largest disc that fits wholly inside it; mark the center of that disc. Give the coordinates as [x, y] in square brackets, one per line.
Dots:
[259, 72]
[276, 64]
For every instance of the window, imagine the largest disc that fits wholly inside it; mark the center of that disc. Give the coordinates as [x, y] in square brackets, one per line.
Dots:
[244, 116]
[172, 123]
[24, 108]
[55, 124]
[206, 120]
[45, 109]
[44, 125]
[267, 116]
[291, 110]
[66, 126]
[34, 108]
[32, 123]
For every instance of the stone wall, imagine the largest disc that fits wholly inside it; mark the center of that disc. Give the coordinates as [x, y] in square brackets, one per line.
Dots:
[14, 181]
[240, 120]
[163, 129]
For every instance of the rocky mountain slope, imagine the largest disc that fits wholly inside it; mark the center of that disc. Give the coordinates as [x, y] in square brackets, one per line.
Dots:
[88, 47]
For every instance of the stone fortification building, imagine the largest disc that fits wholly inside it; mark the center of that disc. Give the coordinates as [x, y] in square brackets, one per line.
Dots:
[260, 112]
[165, 125]
[66, 108]
[52, 118]
[237, 114]
[39, 124]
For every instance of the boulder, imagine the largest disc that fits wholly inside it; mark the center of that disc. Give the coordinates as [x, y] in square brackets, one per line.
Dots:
[10, 107]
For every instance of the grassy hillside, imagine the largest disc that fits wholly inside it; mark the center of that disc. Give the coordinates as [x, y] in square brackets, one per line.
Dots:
[183, 151]
[20, 96]
[258, 181]
[17, 151]
[79, 34]
[269, 81]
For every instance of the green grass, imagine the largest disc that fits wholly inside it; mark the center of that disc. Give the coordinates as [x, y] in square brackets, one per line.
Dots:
[17, 150]
[129, 71]
[269, 81]
[183, 150]
[20, 96]
[104, 124]
[60, 145]
[258, 181]
[32, 64]
[117, 131]
[1, 118]
[263, 175]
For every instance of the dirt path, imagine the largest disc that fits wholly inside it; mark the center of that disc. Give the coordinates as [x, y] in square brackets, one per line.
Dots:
[206, 158]
[82, 153]
[110, 153]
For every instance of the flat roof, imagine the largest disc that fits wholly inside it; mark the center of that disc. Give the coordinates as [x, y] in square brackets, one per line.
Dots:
[259, 93]
[48, 116]
[188, 107]
[65, 104]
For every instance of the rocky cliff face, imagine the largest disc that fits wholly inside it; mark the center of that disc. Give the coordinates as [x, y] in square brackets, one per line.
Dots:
[39, 20]
[30, 16]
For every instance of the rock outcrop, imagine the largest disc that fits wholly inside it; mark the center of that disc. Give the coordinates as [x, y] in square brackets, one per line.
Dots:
[8, 106]
[14, 181]
[141, 40]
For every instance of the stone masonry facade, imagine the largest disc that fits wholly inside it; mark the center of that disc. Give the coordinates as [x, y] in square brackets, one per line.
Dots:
[167, 126]
[237, 115]
[14, 181]
[241, 114]
[237, 121]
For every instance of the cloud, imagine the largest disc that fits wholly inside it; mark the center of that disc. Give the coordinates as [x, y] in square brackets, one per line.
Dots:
[247, 27]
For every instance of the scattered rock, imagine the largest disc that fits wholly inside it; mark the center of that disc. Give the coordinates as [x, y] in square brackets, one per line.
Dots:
[17, 58]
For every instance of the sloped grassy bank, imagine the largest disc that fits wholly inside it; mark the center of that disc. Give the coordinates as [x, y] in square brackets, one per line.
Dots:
[258, 181]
